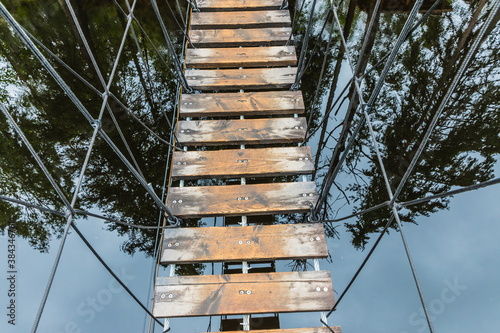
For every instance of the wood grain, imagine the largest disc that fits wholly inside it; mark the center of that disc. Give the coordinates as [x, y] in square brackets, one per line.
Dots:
[229, 5]
[236, 200]
[245, 104]
[240, 37]
[241, 131]
[241, 57]
[236, 79]
[336, 329]
[206, 295]
[254, 243]
[236, 163]
[240, 19]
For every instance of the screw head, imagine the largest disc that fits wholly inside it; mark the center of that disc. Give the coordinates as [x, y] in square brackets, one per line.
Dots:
[180, 200]
[318, 289]
[317, 238]
[182, 131]
[242, 292]
[175, 201]
[240, 242]
[176, 244]
[169, 244]
[325, 289]
[162, 295]
[249, 242]
[311, 239]
[249, 292]
[246, 198]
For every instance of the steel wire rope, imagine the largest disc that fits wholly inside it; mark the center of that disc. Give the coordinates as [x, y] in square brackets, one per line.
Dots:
[95, 90]
[171, 48]
[295, 19]
[95, 123]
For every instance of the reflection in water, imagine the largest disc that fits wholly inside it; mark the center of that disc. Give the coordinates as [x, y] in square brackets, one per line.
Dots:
[462, 151]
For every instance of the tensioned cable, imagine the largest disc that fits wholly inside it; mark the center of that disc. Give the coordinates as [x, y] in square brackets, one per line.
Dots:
[446, 98]
[20, 32]
[95, 90]
[91, 248]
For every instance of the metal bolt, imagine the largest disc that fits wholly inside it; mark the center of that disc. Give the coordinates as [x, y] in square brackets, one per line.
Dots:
[301, 127]
[175, 201]
[182, 131]
[318, 289]
[311, 239]
[170, 296]
[296, 127]
[180, 201]
[179, 163]
[240, 242]
[249, 242]
[184, 163]
[317, 238]
[190, 103]
[239, 198]
[162, 295]
[249, 292]
[304, 194]
[306, 158]
[169, 244]
[176, 244]
[242, 292]
[311, 194]
[300, 159]
[325, 289]
[246, 198]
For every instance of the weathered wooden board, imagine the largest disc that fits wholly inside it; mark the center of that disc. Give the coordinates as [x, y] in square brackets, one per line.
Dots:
[241, 57]
[240, 37]
[254, 243]
[207, 295]
[236, 79]
[235, 163]
[336, 329]
[242, 104]
[240, 19]
[235, 200]
[241, 131]
[229, 5]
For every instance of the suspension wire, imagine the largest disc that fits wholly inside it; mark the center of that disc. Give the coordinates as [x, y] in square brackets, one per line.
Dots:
[450, 193]
[37, 158]
[96, 91]
[91, 248]
[295, 21]
[134, 37]
[171, 49]
[451, 88]
[365, 211]
[94, 122]
[305, 41]
[30, 205]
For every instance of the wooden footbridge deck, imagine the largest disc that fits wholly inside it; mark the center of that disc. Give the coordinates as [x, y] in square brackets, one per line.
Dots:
[243, 48]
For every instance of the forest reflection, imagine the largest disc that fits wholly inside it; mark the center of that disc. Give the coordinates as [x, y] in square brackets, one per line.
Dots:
[463, 149]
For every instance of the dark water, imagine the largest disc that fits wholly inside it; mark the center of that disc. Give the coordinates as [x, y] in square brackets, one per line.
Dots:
[454, 241]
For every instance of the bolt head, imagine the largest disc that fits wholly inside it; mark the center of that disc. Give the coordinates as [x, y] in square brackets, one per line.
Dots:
[249, 292]
[242, 292]
[318, 289]
[249, 242]
[170, 296]
[162, 295]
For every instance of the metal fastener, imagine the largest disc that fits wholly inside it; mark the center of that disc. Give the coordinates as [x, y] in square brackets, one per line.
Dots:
[162, 295]
[242, 292]
[175, 201]
[246, 198]
[170, 296]
[240, 242]
[304, 194]
[325, 289]
[317, 238]
[318, 289]
[249, 242]
[180, 201]
[169, 244]
[311, 239]
[182, 131]
[249, 292]
[239, 198]
[176, 244]
[311, 194]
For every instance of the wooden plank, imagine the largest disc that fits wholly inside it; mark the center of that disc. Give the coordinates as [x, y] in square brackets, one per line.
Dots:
[244, 104]
[241, 57]
[236, 200]
[236, 79]
[241, 131]
[236, 163]
[240, 37]
[336, 329]
[229, 5]
[254, 243]
[207, 295]
[240, 19]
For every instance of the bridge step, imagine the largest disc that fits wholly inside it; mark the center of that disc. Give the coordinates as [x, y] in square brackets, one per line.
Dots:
[241, 57]
[228, 5]
[336, 329]
[257, 243]
[237, 200]
[236, 79]
[241, 131]
[240, 19]
[242, 104]
[210, 295]
[235, 163]
[240, 37]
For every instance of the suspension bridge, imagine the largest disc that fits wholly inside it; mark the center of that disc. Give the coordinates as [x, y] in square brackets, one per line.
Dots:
[245, 125]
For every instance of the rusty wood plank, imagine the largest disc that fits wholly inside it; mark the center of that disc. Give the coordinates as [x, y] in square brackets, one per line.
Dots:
[240, 37]
[240, 19]
[236, 79]
[245, 104]
[229, 5]
[235, 163]
[336, 329]
[241, 57]
[235, 200]
[207, 295]
[241, 131]
[254, 243]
